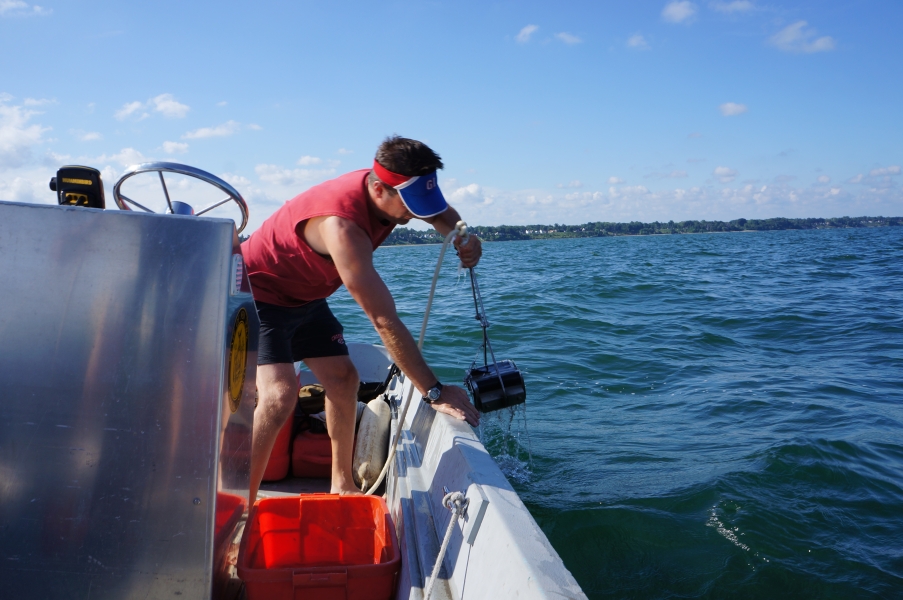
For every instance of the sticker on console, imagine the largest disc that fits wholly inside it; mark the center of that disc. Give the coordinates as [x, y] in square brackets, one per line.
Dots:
[238, 359]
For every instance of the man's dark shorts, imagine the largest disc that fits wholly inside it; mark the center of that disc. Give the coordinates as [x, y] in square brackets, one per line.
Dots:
[289, 334]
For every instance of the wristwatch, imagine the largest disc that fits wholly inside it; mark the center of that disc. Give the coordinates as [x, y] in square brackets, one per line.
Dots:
[433, 393]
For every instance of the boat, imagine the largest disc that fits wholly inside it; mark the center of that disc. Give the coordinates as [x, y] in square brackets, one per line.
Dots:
[126, 405]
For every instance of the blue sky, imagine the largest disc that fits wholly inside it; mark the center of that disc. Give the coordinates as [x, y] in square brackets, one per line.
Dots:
[543, 112]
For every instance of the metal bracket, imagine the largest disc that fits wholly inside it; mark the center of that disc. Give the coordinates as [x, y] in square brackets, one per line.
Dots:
[476, 510]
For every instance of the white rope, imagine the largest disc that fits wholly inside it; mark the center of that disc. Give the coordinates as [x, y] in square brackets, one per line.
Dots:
[457, 503]
[460, 229]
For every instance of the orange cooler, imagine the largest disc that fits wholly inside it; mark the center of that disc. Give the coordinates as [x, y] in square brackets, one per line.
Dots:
[319, 547]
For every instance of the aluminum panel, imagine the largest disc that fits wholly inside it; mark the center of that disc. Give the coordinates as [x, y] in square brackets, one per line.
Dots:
[118, 441]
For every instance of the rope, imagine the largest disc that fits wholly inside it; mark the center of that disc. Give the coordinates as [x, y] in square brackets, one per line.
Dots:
[457, 503]
[460, 229]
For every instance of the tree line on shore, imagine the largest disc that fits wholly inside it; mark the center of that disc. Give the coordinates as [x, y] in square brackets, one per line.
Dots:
[504, 233]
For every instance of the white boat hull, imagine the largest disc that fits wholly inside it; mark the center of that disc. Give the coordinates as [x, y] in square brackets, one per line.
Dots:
[497, 551]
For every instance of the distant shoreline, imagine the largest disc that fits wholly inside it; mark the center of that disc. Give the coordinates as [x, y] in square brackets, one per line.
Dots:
[572, 237]
[403, 236]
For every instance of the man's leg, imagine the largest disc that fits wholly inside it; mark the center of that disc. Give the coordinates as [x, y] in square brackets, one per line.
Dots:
[277, 389]
[339, 378]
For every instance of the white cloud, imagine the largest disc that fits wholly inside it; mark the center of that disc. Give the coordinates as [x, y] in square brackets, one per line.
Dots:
[724, 174]
[524, 36]
[226, 129]
[129, 109]
[175, 147]
[884, 171]
[53, 159]
[568, 38]
[125, 157]
[345, 151]
[306, 161]
[109, 176]
[37, 102]
[17, 8]
[86, 136]
[128, 157]
[856, 179]
[615, 180]
[164, 104]
[236, 180]
[638, 42]
[679, 12]
[17, 136]
[254, 127]
[796, 38]
[732, 109]
[169, 107]
[824, 179]
[672, 175]
[737, 6]
[29, 186]
[222, 103]
[633, 192]
[466, 195]
[279, 176]
[576, 183]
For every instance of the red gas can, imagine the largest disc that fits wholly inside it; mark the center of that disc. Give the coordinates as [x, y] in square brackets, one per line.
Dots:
[312, 455]
[280, 457]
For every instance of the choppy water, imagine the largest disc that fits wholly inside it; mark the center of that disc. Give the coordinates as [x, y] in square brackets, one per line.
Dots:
[709, 415]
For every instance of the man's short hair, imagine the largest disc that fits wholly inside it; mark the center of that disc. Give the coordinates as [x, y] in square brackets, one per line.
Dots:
[407, 157]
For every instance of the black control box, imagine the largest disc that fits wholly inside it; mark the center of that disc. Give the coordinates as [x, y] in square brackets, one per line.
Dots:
[78, 186]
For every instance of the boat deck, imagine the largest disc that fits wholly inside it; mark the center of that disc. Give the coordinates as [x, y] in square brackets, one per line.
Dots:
[293, 485]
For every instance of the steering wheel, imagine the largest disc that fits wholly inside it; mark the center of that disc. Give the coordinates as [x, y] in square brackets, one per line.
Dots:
[179, 207]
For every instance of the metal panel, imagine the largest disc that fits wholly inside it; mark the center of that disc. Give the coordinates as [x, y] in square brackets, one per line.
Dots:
[118, 441]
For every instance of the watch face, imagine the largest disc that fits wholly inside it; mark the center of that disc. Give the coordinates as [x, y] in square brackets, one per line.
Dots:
[433, 394]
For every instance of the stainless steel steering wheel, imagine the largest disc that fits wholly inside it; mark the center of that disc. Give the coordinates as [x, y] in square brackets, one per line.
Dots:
[177, 207]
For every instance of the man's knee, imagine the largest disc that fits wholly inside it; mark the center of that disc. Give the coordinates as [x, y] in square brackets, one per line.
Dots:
[277, 389]
[338, 377]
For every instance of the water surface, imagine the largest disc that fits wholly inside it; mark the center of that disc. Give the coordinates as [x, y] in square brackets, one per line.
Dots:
[709, 415]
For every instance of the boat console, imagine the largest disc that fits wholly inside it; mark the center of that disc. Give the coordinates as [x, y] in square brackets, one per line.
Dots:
[127, 391]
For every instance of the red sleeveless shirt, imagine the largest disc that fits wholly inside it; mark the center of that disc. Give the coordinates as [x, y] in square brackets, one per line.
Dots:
[283, 269]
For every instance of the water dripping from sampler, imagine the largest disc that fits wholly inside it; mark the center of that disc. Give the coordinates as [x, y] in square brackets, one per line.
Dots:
[506, 437]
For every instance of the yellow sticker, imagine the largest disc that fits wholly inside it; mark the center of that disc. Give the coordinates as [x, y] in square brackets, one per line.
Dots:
[238, 359]
[77, 181]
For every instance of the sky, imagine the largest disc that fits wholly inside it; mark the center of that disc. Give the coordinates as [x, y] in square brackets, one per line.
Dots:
[543, 112]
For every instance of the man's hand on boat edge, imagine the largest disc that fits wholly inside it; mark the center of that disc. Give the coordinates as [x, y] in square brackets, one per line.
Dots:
[454, 402]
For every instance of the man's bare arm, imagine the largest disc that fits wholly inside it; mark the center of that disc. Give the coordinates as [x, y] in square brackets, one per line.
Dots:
[352, 252]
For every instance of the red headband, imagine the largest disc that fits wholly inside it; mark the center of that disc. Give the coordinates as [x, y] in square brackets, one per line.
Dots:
[387, 176]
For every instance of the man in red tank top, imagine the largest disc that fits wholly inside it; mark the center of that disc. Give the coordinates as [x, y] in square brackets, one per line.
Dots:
[318, 241]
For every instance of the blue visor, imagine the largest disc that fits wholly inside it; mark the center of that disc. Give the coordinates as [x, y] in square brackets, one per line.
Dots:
[422, 196]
